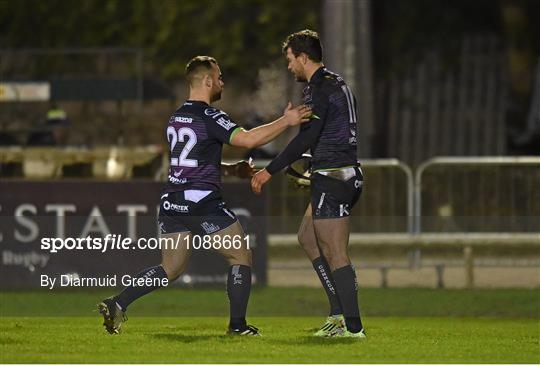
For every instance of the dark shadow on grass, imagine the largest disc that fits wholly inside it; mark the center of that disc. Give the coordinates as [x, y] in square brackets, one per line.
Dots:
[311, 340]
[185, 338]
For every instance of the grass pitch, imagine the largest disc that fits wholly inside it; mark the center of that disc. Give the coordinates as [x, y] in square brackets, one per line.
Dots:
[170, 326]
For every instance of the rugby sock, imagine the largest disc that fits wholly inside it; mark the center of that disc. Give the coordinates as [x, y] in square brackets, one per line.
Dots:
[132, 293]
[238, 289]
[347, 290]
[325, 276]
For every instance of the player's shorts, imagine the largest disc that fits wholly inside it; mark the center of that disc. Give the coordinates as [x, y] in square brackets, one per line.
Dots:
[178, 213]
[334, 193]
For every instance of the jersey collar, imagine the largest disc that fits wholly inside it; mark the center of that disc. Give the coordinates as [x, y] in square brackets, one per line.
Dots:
[317, 75]
[189, 101]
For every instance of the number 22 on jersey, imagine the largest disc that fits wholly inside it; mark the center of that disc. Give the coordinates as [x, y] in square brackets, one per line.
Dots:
[174, 136]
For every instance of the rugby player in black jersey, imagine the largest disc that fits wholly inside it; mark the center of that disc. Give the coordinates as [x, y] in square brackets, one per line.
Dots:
[336, 180]
[191, 203]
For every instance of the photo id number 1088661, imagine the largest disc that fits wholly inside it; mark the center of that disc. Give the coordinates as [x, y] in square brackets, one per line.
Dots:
[217, 242]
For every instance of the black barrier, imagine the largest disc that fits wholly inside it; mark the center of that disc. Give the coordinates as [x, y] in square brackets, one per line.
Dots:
[33, 210]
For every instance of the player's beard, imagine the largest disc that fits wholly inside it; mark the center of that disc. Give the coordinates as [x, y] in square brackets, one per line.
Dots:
[216, 96]
[300, 77]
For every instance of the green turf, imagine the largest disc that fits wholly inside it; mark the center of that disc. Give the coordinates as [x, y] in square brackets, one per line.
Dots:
[283, 302]
[285, 340]
[170, 326]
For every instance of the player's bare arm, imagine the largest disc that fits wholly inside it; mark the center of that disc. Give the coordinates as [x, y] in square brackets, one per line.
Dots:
[294, 150]
[261, 135]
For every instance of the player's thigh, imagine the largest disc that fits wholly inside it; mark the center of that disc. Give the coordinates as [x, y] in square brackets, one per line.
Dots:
[307, 237]
[175, 252]
[333, 239]
[232, 244]
[332, 233]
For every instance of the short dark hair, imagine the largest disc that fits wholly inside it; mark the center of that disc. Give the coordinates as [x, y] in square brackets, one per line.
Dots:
[198, 64]
[306, 41]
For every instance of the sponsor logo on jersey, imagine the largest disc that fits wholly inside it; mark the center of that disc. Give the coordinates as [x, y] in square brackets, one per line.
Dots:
[213, 112]
[174, 207]
[175, 180]
[209, 228]
[178, 173]
[308, 96]
[225, 123]
[183, 119]
[221, 118]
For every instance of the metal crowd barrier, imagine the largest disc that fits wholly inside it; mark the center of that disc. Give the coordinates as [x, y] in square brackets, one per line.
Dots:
[415, 241]
[482, 162]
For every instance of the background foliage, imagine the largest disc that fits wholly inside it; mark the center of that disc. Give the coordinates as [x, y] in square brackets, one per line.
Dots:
[243, 35]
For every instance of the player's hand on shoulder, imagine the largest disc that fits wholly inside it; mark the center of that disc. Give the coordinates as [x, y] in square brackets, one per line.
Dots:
[296, 115]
